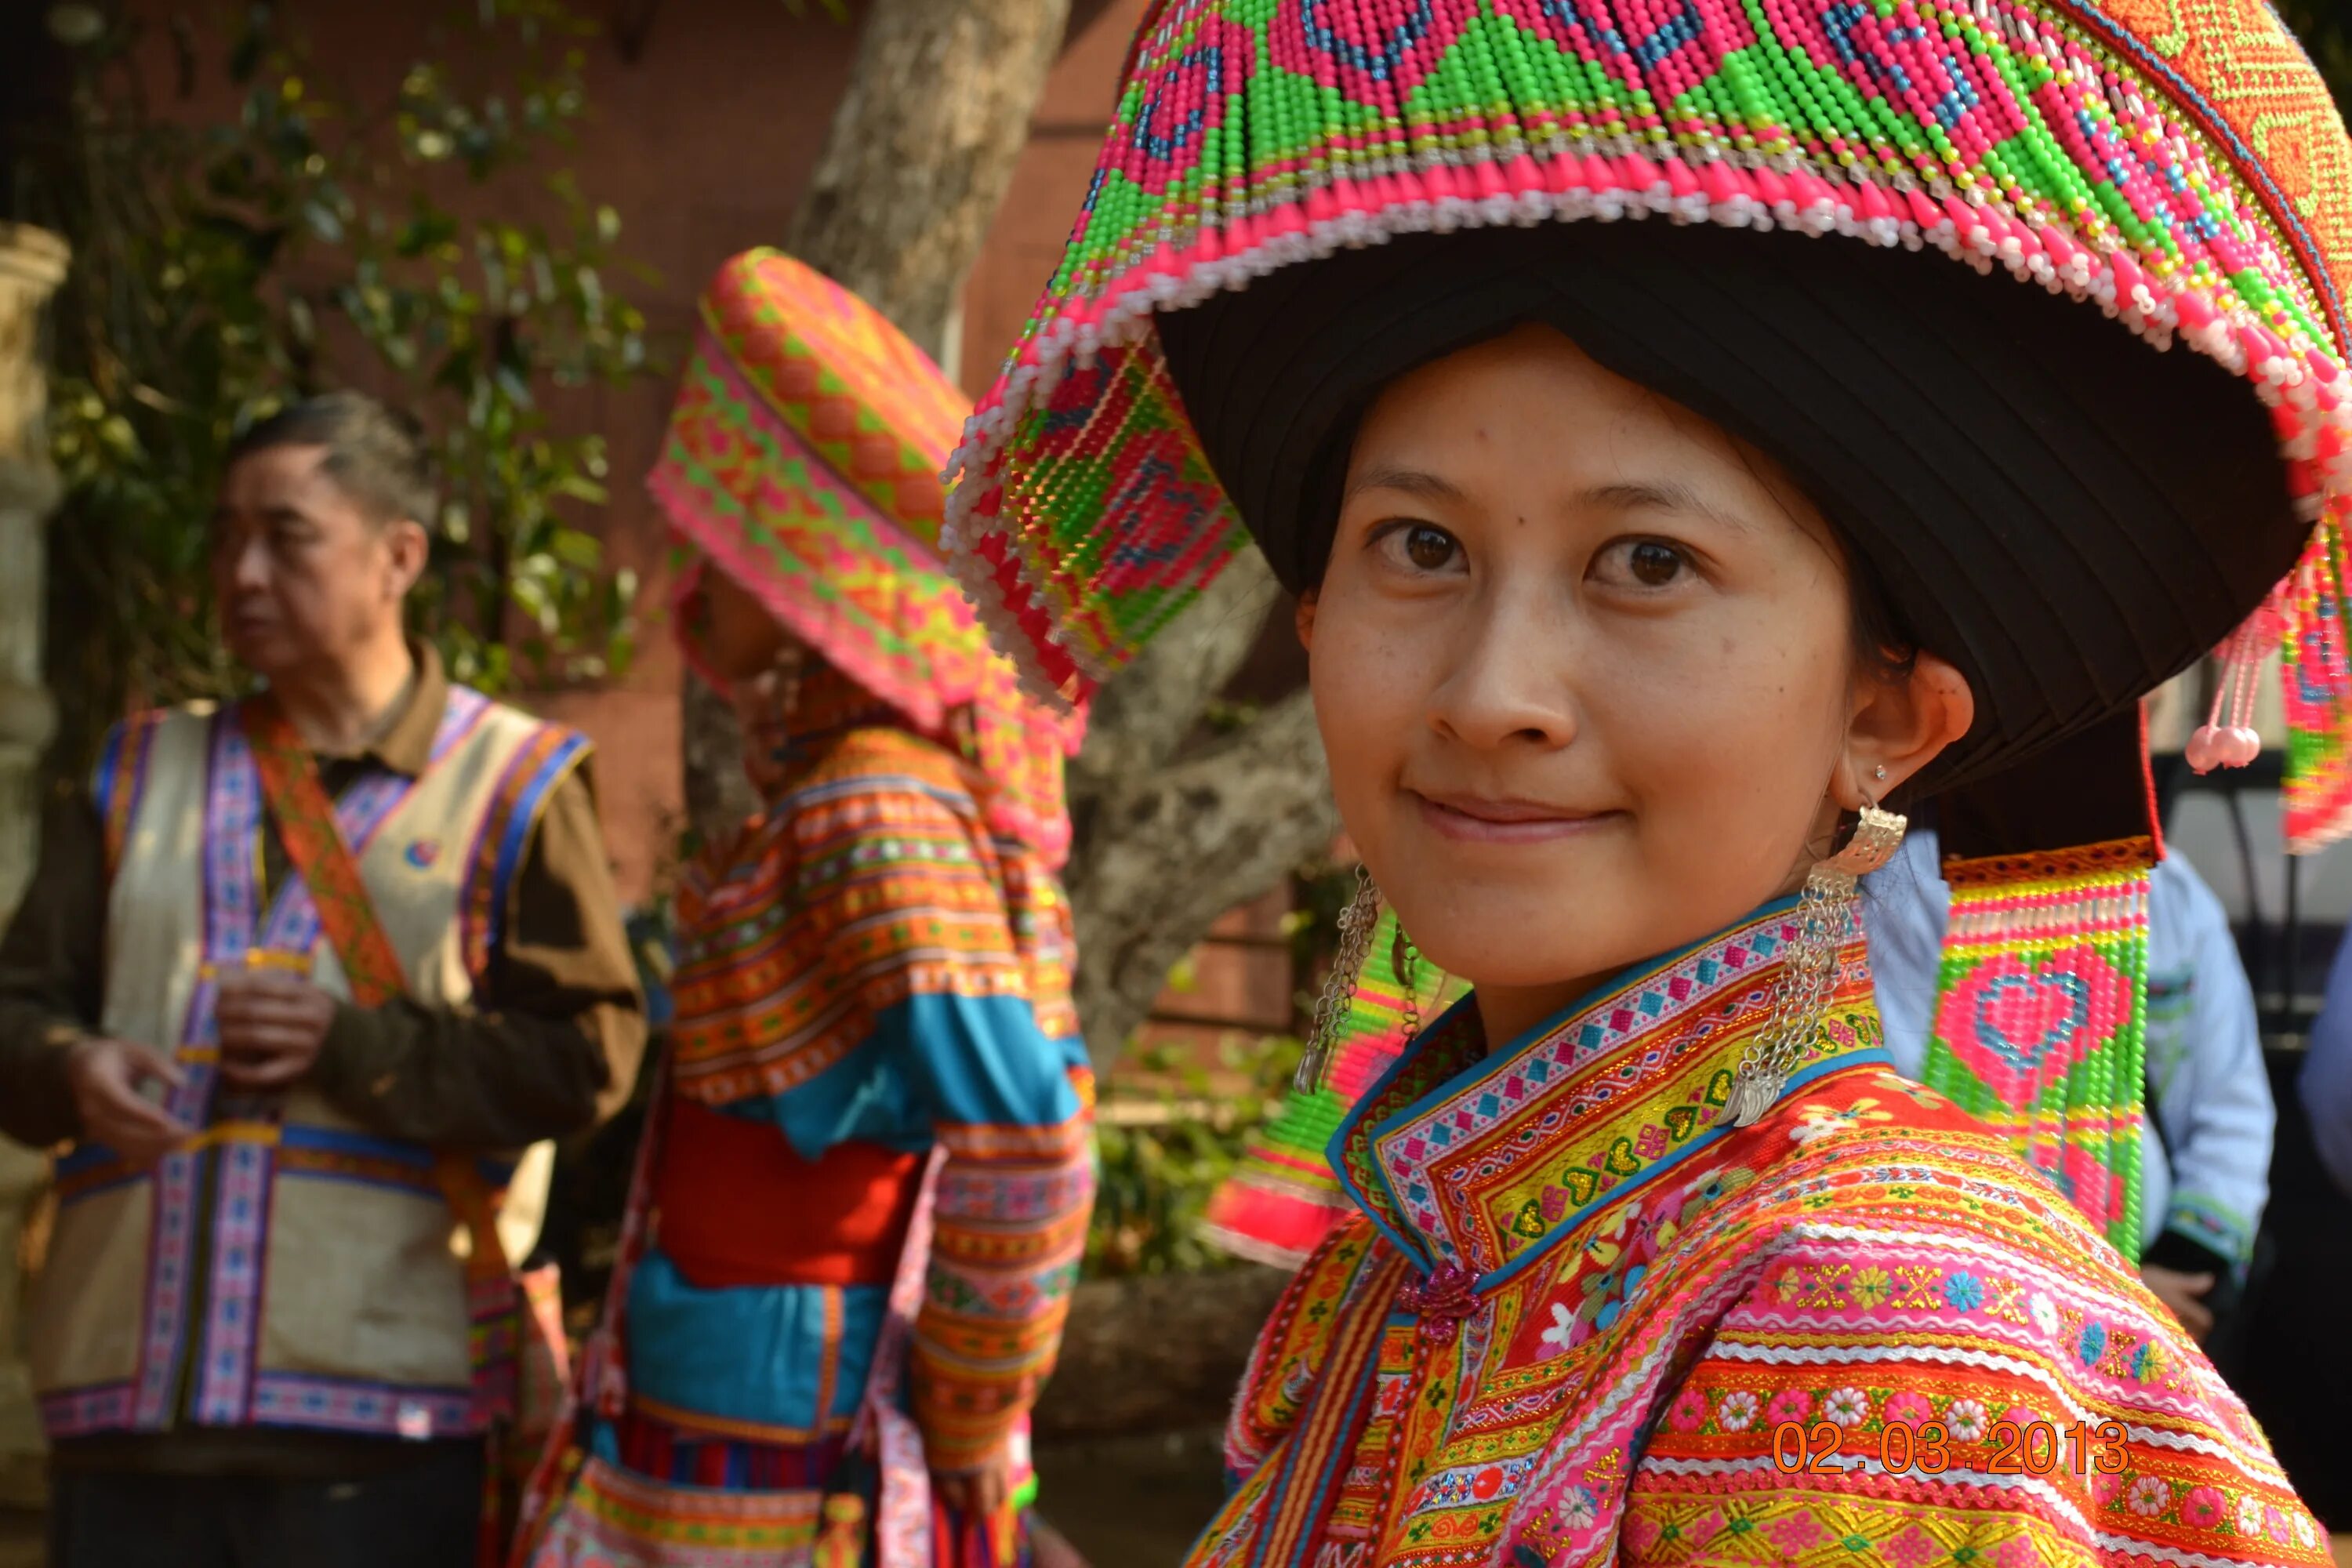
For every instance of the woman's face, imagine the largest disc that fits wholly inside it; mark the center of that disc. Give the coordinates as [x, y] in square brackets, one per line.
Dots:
[739, 637]
[1584, 669]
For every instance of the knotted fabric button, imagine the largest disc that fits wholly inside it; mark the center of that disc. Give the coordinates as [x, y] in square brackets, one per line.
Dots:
[1441, 1301]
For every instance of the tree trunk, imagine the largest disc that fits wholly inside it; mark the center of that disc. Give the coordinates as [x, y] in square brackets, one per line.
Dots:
[922, 149]
[32, 263]
[1169, 839]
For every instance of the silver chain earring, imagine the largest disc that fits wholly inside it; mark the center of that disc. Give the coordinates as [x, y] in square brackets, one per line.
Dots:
[1356, 923]
[1809, 965]
[1404, 960]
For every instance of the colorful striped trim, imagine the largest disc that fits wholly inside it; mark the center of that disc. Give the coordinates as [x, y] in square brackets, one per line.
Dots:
[367, 1409]
[497, 853]
[120, 780]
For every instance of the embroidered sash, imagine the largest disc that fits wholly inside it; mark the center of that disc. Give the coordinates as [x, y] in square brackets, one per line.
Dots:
[305, 817]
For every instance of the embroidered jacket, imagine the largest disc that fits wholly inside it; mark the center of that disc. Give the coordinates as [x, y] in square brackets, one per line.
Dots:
[1579, 1321]
[869, 974]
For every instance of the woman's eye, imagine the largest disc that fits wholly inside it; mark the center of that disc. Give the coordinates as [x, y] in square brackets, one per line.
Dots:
[1425, 546]
[1650, 563]
[1429, 548]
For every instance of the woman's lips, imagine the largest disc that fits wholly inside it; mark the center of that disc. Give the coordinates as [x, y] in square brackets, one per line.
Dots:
[1482, 820]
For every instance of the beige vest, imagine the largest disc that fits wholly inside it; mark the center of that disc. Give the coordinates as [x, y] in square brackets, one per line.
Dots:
[292, 1268]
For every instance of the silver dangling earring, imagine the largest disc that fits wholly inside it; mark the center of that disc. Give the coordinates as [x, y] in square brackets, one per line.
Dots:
[1402, 962]
[1809, 967]
[1356, 923]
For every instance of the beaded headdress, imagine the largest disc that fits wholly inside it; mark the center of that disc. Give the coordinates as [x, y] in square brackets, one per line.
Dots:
[802, 460]
[2180, 168]
[2176, 164]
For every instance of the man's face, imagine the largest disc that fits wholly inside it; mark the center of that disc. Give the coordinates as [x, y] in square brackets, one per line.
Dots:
[303, 575]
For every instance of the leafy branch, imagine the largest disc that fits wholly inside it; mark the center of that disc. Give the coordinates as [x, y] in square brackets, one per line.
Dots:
[314, 240]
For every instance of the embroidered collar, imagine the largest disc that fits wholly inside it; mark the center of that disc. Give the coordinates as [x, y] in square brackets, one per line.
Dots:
[1477, 1161]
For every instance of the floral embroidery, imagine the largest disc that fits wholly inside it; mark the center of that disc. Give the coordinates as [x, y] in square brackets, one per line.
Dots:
[1966, 1420]
[2202, 1508]
[1562, 1335]
[1689, 1411]
[2045, 1312]
[1908, 1406]
[1871, 1287]
[2249, 1515]
[2150, 1496]
[1790, 1404]
[1816, 1121]
[1964, 1291]
[1737, 1410]
[1846, 1406]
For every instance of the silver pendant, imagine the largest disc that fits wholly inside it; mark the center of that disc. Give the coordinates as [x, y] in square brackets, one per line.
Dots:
[1752, 1094]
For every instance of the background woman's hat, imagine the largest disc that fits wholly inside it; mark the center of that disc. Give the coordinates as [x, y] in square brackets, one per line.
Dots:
[802, 460]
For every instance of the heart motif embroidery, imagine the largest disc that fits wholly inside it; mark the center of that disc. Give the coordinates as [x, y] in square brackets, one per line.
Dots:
[2019, 1026]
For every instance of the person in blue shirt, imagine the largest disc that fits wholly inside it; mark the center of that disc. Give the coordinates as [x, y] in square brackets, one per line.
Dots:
[2325, 1084]
[2206, 1142]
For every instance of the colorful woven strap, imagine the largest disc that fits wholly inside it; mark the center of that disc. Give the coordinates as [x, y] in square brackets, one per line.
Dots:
[1283, 1199]
[2041, 1016]
[305, 817]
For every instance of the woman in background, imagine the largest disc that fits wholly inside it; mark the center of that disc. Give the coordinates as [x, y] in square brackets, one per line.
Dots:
[863, 1188]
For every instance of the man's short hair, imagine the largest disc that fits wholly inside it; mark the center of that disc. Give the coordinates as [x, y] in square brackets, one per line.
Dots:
[376, 457]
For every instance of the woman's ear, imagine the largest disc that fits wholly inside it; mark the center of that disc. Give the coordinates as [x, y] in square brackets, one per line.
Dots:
[1901, 722]
[1304, 619]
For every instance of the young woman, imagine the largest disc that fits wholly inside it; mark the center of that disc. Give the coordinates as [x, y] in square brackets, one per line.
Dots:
[865, 1181]
[1641, 565]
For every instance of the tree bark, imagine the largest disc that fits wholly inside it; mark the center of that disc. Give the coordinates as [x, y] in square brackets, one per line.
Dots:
[922, 149]
[1169, 839]
[32, 263]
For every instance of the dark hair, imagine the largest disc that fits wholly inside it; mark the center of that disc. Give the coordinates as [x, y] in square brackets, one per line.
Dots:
[1883, 642]
[376, 457]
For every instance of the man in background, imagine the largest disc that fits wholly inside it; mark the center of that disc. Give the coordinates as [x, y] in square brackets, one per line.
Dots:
[298, 981]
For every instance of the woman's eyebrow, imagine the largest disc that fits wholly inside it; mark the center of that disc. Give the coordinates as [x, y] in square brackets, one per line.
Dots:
[1416, 482]
[1662, 495]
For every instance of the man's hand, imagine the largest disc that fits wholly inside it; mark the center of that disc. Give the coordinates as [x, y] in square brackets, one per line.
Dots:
[271, 1027]
[981, 1492]
[108, 1077]
[2184, 1294]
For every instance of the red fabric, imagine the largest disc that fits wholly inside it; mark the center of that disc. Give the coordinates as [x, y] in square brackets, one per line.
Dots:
[738, 1205]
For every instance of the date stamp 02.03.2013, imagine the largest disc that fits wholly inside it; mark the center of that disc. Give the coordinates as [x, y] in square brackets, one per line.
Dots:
[2006, 1448]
